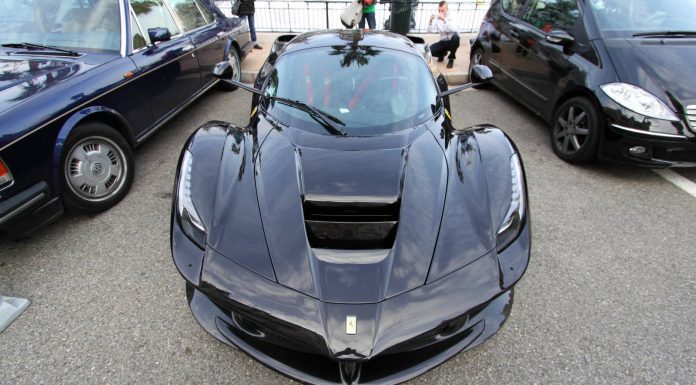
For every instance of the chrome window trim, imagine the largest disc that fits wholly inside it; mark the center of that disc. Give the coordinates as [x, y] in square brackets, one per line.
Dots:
[140, 28]
[147, 36]
[649, 133]
[199, 5]
[124, 32]
[175, 17]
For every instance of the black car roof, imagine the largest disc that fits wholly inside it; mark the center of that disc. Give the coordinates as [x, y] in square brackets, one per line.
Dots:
[334, 37]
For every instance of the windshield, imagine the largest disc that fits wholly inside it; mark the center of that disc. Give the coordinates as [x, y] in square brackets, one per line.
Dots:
[371, 90]
[621, 18]
[69, 24]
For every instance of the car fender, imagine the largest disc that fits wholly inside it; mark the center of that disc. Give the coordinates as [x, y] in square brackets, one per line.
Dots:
[98, 113]
[496, 149]
[206, 146]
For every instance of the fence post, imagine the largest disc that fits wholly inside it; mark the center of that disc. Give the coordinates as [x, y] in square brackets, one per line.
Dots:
[326, 3]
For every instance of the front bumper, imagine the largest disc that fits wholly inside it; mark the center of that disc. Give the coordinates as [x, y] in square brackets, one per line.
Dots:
[309, 367]
[27, 210]
[305, 338]
[664, 143]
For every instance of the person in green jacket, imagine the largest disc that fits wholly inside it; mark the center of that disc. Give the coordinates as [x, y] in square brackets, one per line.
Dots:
[368, 14]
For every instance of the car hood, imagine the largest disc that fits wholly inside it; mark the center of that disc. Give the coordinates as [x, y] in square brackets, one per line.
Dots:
[663, 67]
[21, 78]
[349, 219]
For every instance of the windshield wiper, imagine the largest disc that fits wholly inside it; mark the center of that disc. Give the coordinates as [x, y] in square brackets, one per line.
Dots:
[32, 46]
[665, 33]
[320, 116]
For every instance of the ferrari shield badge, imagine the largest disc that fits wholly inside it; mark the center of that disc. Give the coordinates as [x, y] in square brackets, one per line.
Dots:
[351, 324]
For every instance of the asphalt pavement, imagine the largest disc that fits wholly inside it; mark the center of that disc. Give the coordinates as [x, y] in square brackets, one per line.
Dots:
[608, 297]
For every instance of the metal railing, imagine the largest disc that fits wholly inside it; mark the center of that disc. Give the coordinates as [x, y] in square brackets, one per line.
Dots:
[311, 15]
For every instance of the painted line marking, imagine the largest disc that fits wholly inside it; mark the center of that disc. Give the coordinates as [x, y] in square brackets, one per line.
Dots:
[678, 180]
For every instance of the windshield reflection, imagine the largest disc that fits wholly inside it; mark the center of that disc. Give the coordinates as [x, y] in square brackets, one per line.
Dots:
[81, 24]
[621, 17]
[372, 90]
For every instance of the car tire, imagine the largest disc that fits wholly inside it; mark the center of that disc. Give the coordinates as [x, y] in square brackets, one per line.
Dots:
[575, 131]
[97, 168]
[477, 57]
[236, 63]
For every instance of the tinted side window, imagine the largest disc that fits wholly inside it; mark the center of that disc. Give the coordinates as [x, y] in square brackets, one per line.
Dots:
[514, 7]
[138, 39]
[188, 13]
[549, 15]
[153, 14]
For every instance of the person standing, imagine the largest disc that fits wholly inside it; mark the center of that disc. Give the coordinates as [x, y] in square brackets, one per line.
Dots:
[368, 14]
[246, 8]
[449, 36]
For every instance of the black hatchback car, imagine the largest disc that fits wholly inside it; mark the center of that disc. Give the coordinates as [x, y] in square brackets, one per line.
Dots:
[614, 78]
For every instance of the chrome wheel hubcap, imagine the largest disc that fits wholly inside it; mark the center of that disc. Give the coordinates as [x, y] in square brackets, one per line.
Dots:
[95, 168]
[571, 130]
[234, 62]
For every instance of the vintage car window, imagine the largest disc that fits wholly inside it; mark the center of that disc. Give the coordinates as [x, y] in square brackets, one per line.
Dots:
[153, 14]
[209, 18]
[550, 15]
[72, 24]
[138, 39]
[188, 13]
[514, 7]
[372, 90]
[626, 17]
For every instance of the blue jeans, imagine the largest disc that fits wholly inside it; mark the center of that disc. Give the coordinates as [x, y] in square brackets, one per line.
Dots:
[252, 30]
[370, 20]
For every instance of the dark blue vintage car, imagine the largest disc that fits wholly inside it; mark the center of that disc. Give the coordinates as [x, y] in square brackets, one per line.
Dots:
[82, 82]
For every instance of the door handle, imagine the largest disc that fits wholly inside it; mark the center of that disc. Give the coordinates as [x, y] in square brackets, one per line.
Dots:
[188, 48]
[515, 34]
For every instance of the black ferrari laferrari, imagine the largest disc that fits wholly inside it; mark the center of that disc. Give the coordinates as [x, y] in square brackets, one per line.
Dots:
[349, 234]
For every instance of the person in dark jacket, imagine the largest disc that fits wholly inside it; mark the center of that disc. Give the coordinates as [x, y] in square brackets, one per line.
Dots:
[246, 8]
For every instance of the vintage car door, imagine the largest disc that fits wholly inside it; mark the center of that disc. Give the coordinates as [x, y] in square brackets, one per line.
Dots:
[168, 69]
[208, 34]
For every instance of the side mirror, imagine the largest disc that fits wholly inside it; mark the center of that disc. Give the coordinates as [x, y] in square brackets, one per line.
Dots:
[223, 70]
[159, 34]
[561, 38]
[481, 74]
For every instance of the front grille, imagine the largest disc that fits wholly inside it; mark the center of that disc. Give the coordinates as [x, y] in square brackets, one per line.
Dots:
[691, 115]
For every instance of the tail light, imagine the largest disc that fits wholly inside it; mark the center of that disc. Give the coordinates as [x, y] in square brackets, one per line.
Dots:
[5, 175]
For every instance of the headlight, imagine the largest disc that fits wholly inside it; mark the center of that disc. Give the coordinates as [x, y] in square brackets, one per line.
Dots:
[514, 219]
[188, 217]
[638, 100]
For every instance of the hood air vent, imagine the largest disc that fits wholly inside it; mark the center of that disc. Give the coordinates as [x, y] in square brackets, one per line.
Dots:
[351, 222]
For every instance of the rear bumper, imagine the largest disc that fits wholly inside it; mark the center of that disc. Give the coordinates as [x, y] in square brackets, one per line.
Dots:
[28, 210]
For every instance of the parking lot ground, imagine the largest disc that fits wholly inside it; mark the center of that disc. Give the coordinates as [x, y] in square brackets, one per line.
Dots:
[607, 298]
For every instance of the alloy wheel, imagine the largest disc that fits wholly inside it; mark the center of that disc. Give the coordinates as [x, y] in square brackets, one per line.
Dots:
[571, 130]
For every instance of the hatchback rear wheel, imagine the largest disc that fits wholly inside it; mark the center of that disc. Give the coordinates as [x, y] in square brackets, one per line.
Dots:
[575, 133]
